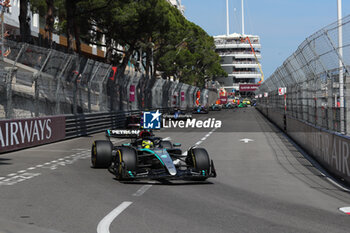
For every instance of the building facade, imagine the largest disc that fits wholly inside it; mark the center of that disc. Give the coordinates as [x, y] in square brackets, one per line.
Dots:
[178, 5]
[37, 25]
[238, 60]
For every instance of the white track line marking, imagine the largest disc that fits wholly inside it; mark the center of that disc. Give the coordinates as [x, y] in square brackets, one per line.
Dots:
[48, 150]
[142, 190]
[103, 225]
[23, 175]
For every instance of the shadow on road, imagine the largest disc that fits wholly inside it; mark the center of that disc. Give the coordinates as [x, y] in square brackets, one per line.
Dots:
[167, 182]
[3, 161]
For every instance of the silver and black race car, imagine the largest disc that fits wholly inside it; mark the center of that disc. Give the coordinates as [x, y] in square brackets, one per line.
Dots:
[215, 107]
[150, 157]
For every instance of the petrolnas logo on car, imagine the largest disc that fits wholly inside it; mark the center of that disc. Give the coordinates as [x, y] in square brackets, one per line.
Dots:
[151, 120]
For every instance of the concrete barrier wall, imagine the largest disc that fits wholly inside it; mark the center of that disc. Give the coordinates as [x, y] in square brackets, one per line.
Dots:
[277, 117]
[330, 149]
[21, 133]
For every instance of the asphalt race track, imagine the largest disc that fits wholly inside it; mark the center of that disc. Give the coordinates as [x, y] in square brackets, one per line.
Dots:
[263, 185]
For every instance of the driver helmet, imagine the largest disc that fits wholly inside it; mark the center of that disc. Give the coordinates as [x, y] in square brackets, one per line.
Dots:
[147, 144]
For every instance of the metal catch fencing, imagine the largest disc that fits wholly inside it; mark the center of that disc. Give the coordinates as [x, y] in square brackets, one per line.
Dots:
[315, 78]
[40, 82]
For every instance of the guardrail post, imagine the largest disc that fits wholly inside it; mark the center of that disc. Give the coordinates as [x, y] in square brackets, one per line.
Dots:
[59, 82]
[36, 93]
[75, 100]
[89, 86]
[103, 94]
[36, 85]
[322, 65]
[10, 77]
[342, 80]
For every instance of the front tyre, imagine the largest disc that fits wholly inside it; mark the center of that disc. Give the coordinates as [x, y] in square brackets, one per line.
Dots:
[125, 163]
[101, 154]
[198, 158]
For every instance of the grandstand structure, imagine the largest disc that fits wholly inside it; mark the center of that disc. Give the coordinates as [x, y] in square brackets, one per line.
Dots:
[178, 5]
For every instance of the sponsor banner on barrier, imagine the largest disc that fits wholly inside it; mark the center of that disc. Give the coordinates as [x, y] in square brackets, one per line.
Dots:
[132, 93]
[21, 133]
[282, 90]
[182, 96]
[223, 99]
[329, 149]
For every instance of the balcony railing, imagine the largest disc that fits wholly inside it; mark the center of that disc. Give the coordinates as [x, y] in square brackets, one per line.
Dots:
[232, 41]
[245, 72]
[235, 52]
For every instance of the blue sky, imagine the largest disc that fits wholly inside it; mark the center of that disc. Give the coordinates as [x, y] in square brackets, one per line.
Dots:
[281, 24]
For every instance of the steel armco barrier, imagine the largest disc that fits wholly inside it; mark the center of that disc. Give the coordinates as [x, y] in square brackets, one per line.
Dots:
[85, 124]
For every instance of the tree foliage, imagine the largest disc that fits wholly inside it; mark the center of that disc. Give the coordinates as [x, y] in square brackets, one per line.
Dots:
[151, 31]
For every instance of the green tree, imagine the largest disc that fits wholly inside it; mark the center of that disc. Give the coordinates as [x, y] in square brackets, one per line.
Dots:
[47, 9]
[151, 31]
[24, 21]
[187, 52]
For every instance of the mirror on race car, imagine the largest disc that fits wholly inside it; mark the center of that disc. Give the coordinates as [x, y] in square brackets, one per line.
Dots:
[177, 144]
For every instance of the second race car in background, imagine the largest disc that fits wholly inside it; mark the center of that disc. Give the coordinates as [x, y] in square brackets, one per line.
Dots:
[200, 110]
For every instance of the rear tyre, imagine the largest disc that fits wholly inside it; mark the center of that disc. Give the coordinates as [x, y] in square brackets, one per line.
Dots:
[166, 144]
[101, 154]
[198, 158]
[125, 163]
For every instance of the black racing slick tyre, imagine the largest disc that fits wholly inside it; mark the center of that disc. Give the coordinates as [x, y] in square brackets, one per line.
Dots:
[101, 154]
[125, 162]
[166, 144]
[198, 158]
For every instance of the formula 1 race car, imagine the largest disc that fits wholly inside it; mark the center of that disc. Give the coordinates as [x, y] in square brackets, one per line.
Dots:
[150, 157]
[215, 107]
[229, 105]
[133, 122]
[200, 109]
